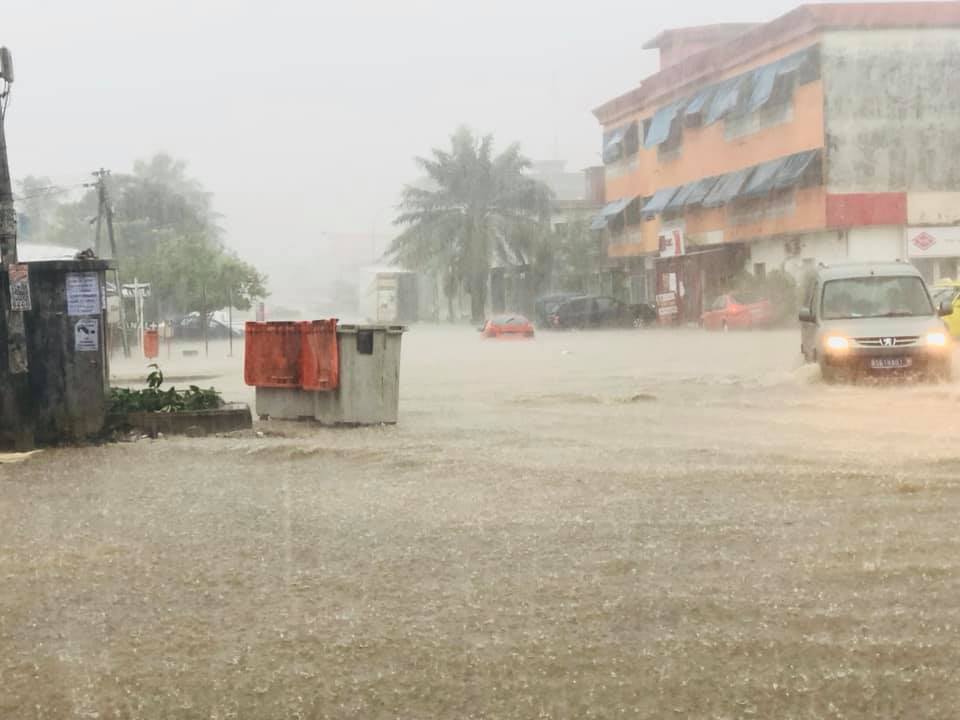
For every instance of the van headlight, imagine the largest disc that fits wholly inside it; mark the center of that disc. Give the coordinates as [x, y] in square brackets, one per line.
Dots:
[937, 339]
[837, 343]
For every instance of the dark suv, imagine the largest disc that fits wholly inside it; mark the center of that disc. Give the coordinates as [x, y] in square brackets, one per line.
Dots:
[599, 311]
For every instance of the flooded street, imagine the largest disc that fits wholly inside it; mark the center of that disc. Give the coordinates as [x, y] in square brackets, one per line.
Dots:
[599, 524]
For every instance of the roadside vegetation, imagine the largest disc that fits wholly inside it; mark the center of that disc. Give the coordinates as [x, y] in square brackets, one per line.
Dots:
[155, 399]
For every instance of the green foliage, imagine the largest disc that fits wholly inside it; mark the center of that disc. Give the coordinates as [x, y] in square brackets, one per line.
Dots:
[475, 207]
[154, 399]
[166, 234]
[576, 251]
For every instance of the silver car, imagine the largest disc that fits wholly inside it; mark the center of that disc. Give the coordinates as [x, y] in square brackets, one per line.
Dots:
[874, 318]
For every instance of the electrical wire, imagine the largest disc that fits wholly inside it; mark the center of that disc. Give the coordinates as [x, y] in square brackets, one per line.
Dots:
[48, 191]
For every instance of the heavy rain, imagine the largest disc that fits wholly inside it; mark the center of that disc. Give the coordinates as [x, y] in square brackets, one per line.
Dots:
[574, 393]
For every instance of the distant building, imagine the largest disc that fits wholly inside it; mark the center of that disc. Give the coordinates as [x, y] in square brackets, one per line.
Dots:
[828, 134]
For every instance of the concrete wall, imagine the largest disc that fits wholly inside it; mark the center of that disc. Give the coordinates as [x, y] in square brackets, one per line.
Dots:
[797, 253]
[933, 208]
[875, 244]
[892, 109]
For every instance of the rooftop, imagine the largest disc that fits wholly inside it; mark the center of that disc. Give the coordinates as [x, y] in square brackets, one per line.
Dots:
[796, 24]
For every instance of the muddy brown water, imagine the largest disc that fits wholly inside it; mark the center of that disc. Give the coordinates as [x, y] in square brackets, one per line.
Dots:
[612, 524]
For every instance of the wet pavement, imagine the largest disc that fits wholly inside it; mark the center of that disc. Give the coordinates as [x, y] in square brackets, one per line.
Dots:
[598, 524]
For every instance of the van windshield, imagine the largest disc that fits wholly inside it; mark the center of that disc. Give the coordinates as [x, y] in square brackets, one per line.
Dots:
[866, 297]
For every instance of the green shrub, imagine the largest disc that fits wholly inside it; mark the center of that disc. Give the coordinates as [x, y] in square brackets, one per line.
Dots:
[152, 399]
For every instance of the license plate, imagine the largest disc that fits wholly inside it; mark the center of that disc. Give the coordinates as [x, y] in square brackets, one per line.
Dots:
[890, 363]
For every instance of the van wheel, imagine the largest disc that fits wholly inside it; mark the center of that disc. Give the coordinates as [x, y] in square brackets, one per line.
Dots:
[829, 374]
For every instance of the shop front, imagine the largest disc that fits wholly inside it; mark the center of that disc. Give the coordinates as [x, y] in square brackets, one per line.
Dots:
[689, 276]
[935, 251]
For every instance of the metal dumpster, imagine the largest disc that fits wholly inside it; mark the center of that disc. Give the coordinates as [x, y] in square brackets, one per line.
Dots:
[368, 388]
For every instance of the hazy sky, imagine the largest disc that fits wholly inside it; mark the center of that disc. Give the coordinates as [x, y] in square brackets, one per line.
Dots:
[302, 117]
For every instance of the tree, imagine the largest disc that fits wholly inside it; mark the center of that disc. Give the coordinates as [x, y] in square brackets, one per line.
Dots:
[166, 233]
[475, 208]
[577, 249]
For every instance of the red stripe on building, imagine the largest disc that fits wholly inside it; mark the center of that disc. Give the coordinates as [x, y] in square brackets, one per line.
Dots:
[855, 209]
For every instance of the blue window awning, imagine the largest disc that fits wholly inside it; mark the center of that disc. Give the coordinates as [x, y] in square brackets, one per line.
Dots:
[725, 99]
[661, 125]
[620, 142]
[659, 201]
[599, 222]
[609, 211]
[700, 190]
[679, 199]
[796, 168]
[764, 79]
[700, 102]
[613, 144]
[726, 188]
[763, 178]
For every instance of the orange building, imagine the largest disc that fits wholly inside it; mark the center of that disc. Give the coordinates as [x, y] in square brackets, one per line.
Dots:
[828, 134]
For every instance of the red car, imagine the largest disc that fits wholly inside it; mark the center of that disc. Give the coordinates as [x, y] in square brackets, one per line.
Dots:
[505, 326]
[736, 312]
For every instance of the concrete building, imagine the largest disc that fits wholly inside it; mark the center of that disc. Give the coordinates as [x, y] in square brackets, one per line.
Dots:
[831, 133]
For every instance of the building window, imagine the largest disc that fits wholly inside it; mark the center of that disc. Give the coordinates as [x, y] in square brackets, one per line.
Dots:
[621, 168]
[670, 148]
[745, 212]
[760, 271]
[737, 126]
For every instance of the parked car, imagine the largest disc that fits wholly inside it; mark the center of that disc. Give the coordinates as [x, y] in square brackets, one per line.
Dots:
[875, 318]
[593, 311]
[508, 325]
[948, 290]
[190, 327]
[737, 312]
[547, 305]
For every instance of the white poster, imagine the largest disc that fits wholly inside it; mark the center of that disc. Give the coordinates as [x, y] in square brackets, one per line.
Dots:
[83, 293]
[87, 335]
[933, 242]
[20, 287]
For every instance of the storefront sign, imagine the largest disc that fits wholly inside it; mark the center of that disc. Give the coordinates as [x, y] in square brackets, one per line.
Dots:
[83, 293]
[933, 242]
[667, 304]
[20, 287]
[671, 242]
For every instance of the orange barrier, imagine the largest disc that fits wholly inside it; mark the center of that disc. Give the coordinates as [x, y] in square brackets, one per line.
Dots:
[319, 359]
[271, 356]
[292, 355]
[151, 344]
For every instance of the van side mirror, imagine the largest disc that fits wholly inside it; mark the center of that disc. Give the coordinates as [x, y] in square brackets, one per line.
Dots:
[946, 308]
[805, 315]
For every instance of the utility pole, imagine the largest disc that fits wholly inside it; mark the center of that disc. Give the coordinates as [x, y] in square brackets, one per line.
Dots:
[204, 319]
[105, 209]
[230, 317]
[17, 403]
[16, 333]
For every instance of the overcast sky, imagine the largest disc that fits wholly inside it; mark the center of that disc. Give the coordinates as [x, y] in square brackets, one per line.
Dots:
[302, 116]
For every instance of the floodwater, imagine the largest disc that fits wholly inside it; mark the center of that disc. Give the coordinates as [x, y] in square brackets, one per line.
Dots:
[637, 524]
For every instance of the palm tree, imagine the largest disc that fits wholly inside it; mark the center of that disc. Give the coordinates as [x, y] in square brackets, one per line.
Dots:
[473, 209]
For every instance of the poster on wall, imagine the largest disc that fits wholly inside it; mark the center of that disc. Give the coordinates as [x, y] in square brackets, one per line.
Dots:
[83, 293]
[667, 305]
[671, 242]
[933, 242]
[87, 335]
[20, 287]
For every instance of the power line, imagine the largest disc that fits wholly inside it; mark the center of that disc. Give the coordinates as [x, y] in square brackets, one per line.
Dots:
[48, 191]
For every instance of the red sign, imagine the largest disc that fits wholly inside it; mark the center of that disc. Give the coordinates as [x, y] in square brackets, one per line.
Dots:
[924, 241]
[856, 209]
[671, 243]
